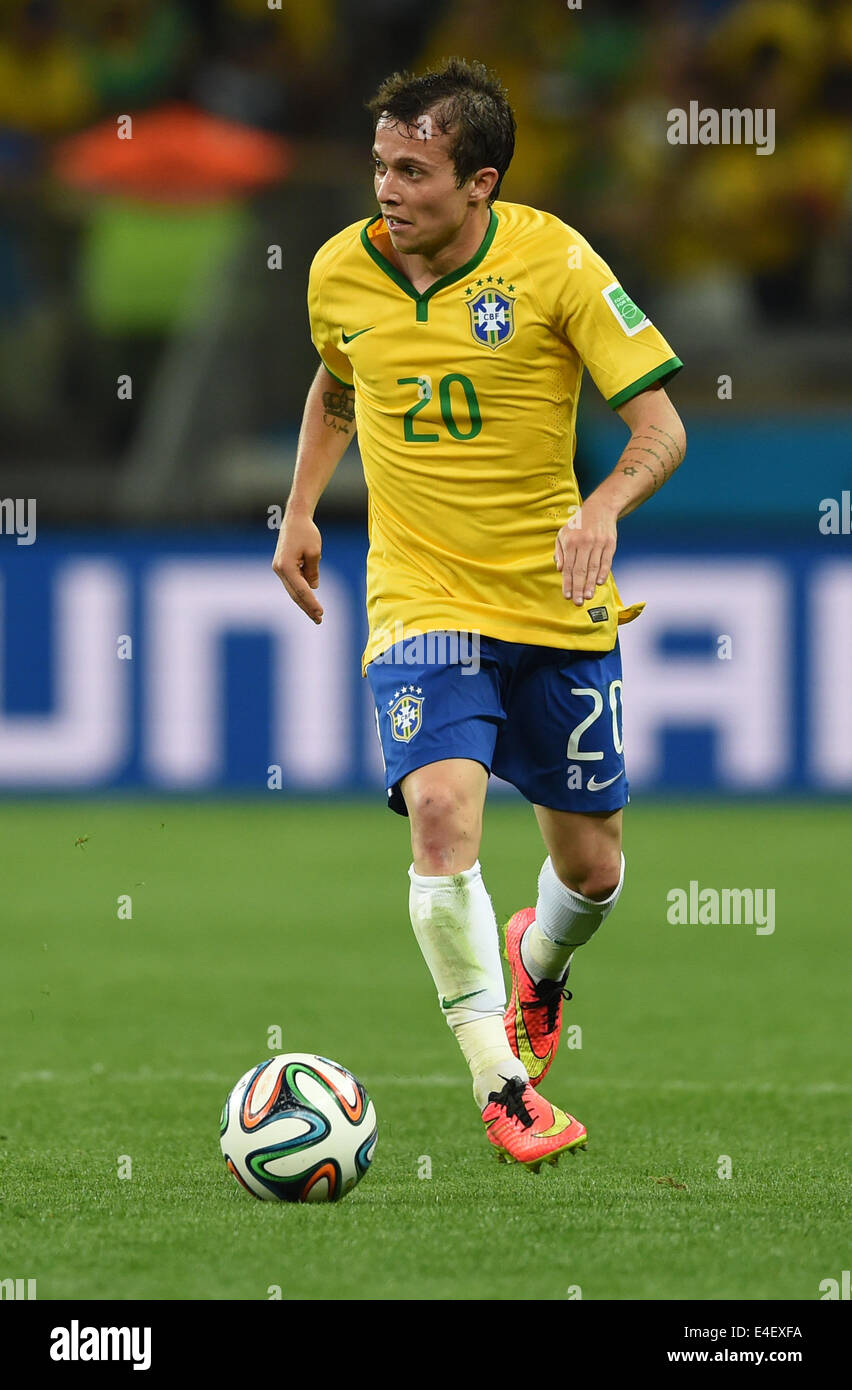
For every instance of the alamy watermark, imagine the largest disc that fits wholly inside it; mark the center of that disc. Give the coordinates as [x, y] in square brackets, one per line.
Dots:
[17, 1289]
[18, 518]
[836, 515]
[76, 1343]
[401, 647]
[728, 126]
[699, 907]
[833, 1289]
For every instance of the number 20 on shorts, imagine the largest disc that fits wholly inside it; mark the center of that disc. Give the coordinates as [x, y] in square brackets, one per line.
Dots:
[574, 752]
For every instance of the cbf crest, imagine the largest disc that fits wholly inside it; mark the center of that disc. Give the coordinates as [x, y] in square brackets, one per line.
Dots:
[405, 713]
[492, 318]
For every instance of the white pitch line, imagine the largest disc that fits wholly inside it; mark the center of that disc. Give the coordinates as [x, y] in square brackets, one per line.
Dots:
[147, 1075]
[817, 1088]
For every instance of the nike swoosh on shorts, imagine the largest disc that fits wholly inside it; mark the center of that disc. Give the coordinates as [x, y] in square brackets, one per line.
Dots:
[593, 786]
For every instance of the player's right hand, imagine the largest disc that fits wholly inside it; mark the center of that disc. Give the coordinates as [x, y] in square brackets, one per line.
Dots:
[296, 562]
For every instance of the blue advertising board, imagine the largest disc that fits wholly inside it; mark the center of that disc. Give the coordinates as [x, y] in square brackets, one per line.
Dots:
[177, 663]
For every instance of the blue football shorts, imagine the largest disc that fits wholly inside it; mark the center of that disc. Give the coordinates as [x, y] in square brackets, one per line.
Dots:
[546, 719]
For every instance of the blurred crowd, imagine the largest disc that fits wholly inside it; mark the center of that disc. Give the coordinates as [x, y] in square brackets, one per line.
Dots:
[722, 236]
[63, 63]
[717, 231]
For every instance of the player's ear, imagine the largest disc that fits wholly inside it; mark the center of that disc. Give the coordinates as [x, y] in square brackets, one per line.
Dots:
[483, 183]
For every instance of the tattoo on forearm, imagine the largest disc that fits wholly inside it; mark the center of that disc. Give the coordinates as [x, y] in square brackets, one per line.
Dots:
[677, 455]
[633, 461]
[338, 409]
[633, 452]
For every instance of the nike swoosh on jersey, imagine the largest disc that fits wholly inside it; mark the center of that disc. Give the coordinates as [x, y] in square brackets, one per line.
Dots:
[594, 786]
[347, 337]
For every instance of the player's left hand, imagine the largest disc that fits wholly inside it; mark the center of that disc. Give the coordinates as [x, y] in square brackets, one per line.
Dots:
[584, 549]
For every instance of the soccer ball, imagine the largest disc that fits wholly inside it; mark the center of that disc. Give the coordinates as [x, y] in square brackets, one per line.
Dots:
[298, 1128]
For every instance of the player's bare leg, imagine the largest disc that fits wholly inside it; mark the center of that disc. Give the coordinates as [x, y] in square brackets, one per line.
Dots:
[579, 885]
[445, 801]
[584, 849]
[454, 923]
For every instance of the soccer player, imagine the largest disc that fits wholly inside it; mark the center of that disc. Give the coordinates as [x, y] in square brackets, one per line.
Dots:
[453, 329]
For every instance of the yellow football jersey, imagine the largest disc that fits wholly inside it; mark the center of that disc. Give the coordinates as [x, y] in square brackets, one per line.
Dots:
[466, 405]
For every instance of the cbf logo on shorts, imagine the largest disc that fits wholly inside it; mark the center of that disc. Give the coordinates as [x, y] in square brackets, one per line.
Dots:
[492, 318]
[405, 713]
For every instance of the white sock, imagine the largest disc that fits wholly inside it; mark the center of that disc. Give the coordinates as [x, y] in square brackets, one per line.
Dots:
[456, 930]
[564, 920]
[487, 1053]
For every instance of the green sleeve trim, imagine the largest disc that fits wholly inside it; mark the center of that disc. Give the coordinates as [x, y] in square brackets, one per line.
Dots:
[350, 385]
[661, 374]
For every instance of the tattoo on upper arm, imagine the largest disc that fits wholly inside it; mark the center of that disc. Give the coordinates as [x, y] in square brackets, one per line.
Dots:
[339, 409]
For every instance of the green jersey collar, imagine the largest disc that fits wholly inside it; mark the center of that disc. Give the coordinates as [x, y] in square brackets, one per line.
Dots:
[404, 284]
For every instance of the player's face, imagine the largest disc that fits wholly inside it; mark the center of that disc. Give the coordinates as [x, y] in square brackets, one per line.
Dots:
[416, 187]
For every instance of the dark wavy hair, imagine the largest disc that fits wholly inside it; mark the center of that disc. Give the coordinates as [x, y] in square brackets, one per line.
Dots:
[466, 100]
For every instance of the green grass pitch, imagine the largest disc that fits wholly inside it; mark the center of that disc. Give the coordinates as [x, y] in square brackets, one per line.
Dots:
[122, 1037]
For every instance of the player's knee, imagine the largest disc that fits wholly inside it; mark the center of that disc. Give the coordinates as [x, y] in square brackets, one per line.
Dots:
[433, 808]
[443, 830]
[596, 879]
